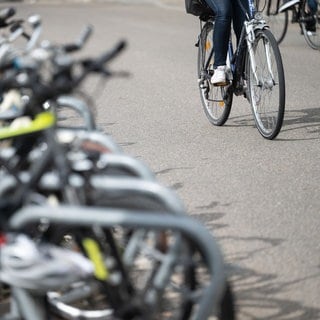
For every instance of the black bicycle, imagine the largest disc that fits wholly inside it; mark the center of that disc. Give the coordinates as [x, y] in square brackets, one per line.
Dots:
[304, 12]
[254, 70]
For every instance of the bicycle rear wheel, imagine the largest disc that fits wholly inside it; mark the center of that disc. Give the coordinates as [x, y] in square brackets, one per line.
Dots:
[266, 84]
[310, 26]
[216, 101]
[277, 21]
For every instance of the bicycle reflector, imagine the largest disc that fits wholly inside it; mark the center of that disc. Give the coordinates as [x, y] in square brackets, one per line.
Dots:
[25, 125]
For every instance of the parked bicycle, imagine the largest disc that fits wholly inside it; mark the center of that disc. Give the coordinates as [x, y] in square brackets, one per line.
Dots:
[85, 230]
[304, 12]
[46, 279]
[254, 70]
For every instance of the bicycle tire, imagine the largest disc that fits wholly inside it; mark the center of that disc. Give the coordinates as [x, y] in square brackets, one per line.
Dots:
[277, 21]
[128, 302]
[216, 100]
[267, 97]
[311, 35]
[227, 311]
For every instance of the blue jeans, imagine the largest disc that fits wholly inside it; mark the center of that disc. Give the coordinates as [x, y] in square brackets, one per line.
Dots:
[313, 5]
[225, 12]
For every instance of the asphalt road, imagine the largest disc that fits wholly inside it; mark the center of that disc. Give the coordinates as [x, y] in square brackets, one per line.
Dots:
[260, 198]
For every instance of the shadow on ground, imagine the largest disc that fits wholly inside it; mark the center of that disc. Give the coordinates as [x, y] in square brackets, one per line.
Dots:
[258, 295]
[303, 123]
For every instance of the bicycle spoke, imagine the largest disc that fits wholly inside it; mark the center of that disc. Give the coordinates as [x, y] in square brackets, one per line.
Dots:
[266, 86]
[216, 101]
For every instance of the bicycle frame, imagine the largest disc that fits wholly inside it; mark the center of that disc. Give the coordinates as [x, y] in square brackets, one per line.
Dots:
[237, 57]
[300, 11]
[245, 46]
[142, 181]
[304, 12]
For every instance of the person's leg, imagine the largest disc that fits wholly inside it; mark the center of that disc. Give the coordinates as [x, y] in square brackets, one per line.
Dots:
[223, 12]
[313, 6]
[238, 16]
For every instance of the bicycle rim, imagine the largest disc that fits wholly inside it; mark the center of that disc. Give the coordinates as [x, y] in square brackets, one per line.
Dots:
[310, 25]
[267, 85]
[216, 101]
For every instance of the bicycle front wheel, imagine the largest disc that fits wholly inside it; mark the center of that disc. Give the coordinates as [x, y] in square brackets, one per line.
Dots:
[277, 21]
[266, 84]
[216, 101]
[310, 26]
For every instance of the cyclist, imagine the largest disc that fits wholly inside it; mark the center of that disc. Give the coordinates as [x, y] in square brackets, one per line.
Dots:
[312, 8]
[226, 11]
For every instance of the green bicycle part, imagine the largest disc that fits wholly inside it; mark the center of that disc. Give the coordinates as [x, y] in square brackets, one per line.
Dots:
[42, 121]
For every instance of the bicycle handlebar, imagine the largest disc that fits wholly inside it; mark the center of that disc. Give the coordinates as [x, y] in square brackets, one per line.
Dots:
[63, 80]
[96, 65]
[77, 45]
[5, 14]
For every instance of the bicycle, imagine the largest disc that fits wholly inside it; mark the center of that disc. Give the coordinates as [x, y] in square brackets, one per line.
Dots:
[55, 274]
[277, 17]
[43, 161]
[254, 70]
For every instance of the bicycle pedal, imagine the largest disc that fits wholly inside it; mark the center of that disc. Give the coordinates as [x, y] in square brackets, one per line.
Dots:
[221, 84]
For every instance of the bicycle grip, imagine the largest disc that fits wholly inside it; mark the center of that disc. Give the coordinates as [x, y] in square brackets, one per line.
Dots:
[108, 56]
[85, 34]
[5, 14]
[77, 45]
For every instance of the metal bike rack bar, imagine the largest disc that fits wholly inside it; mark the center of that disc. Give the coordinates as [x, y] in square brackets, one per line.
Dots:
[87, 216]
[129, 163]
[133, 186]
[71, 135]
[80, 107]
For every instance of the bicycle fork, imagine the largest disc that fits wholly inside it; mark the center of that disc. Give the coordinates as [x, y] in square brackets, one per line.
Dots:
[250, 38]
[267, 84]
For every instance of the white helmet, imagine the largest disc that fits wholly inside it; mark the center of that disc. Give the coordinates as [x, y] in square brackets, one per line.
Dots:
[41, 267]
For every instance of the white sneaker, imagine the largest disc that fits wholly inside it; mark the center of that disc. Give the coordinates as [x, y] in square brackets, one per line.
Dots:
[219, 76]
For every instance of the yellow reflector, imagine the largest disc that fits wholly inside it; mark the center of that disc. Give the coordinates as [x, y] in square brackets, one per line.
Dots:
[93, 251]
[42, 121]
[221, 103]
